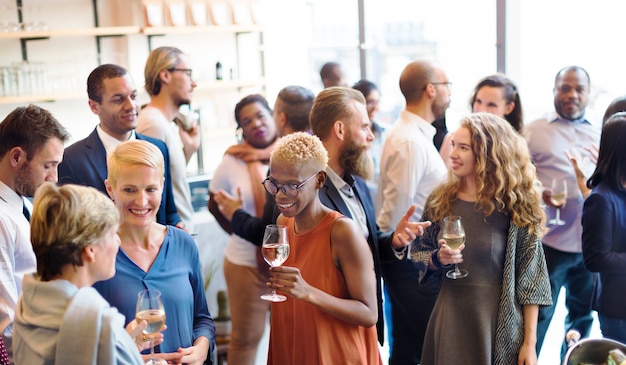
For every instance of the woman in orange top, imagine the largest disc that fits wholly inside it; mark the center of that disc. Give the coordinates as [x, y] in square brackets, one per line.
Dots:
[329, 277]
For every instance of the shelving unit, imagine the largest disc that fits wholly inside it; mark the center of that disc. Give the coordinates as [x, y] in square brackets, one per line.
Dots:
[99, 32]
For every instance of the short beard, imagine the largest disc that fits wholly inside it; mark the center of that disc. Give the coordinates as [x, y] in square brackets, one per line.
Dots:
[24, 185]
[355, 160]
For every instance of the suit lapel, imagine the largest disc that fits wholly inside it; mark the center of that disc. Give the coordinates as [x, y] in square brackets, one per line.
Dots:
[329, 195]
[96, 155]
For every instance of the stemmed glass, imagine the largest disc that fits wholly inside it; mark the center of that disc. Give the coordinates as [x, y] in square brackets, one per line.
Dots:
[454, 235]
[275, 251]
[150, 309]
[558, 198]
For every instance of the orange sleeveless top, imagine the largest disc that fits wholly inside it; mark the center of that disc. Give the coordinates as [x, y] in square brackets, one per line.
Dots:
[300, 334]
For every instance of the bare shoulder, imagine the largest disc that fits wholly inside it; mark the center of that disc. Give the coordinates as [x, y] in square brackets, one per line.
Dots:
[346, 234]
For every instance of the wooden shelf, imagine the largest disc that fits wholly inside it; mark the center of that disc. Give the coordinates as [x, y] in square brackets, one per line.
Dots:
[130, 30]
[89, 32]
[201, 29]
[42, 98]
[203, 86]
[228, 84]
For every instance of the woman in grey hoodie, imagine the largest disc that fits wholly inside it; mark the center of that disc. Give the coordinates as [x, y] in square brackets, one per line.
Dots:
[60, 318]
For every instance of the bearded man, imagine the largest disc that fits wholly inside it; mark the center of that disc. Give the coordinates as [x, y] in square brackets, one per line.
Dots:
[339, 118]
[31, 148]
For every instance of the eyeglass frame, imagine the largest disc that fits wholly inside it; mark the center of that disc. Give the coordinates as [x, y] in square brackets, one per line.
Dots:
[296, 187]
[447, 83]
[188, 71]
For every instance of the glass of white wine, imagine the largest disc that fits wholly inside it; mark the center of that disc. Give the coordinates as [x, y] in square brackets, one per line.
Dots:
[150, 309]
[275, 251]
[558, 198]
[454, 235]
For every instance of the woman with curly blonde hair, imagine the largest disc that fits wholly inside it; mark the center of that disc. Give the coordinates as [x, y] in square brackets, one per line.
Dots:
[490, 316]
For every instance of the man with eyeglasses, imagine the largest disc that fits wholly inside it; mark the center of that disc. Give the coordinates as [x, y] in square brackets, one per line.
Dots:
[169, 82]
[410, 168]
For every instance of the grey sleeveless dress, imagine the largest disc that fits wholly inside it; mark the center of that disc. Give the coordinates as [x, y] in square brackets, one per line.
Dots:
[462, 326]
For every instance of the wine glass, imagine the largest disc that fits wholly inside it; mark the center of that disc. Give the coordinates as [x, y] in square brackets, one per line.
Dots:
[150, 309]
[275, 251]
[454, 235]
[558, 198]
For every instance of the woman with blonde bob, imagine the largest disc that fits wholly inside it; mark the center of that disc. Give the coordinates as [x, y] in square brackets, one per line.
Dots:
[490, 316]
[60, 318]
[153, 256]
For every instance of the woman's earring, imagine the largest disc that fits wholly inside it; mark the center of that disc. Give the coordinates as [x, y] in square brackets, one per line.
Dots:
[239, 135]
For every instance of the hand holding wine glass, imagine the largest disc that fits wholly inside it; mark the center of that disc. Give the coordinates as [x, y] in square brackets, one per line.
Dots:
[454, 235]
[150, 309]
[558, 198]
[275, 251]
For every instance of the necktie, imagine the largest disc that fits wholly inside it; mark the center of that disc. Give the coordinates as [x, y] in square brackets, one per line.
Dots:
[4, 357]
[26, 212]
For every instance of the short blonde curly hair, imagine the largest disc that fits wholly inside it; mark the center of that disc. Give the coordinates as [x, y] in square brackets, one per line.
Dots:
[300, 148]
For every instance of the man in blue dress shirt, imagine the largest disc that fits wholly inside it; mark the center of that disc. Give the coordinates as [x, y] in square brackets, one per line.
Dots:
[569, 129]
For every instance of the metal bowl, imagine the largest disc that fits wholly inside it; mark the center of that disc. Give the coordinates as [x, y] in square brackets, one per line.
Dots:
[591, 351]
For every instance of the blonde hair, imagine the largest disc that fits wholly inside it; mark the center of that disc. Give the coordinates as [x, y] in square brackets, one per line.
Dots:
[135, 152]
[300, 148]
[504, 175]
[162, 58]
[65, 220]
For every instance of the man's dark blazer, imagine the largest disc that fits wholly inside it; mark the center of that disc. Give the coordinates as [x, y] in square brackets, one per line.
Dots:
[411, 302]
[379, 242]
[84, 163]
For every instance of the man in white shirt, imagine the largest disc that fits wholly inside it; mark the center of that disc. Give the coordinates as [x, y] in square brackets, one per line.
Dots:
[410, 168]
[31, 148]
[168, 80]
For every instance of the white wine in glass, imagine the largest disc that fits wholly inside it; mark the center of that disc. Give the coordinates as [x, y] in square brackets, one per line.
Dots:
[275, 251]
[150, 309]
[558, 198]
[454, 235]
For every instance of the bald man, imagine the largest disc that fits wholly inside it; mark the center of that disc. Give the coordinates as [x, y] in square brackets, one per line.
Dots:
[410, 168]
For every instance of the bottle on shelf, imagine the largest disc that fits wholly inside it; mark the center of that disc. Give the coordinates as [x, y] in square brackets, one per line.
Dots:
[218, 71]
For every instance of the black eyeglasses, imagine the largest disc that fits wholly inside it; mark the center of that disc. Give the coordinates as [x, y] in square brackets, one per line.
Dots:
[185, 70]
[291, 190]
[447, 83]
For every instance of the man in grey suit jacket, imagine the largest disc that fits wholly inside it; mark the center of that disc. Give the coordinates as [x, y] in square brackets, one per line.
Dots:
[112, 95]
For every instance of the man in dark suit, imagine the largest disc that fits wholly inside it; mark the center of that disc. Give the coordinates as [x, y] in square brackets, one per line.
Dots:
[339, 118]
[112, 95]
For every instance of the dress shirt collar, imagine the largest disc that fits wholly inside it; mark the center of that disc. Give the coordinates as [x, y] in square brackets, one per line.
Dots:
[554, 116]
[109, 141]
[339, 183]
[426, 128]
[11, 197]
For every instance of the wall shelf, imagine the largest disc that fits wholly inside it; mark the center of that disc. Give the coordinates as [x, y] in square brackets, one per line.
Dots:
[78, 32]
[203, 86]
[42, 98]
[198, 29]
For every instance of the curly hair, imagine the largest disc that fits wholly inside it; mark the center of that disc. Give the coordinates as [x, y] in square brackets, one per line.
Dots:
[504, 175]
[300, 148]
[64, 222]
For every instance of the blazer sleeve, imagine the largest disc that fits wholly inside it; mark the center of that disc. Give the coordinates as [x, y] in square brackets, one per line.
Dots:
[252, 228]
